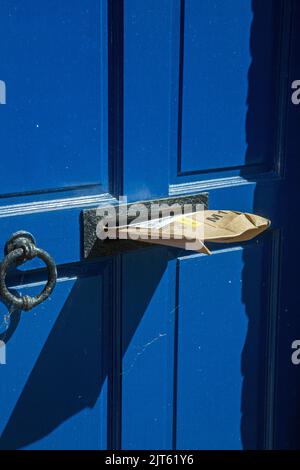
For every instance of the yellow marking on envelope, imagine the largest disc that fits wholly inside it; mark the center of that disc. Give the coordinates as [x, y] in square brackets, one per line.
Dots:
[188, 221]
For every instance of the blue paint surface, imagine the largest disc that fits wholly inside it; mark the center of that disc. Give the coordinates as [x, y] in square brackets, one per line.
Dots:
[156, 349]
[148, 351]
[220, 358]
[54, 384]
[53, 61]
[218, 62]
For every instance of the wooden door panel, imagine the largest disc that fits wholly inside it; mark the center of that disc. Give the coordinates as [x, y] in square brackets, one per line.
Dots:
[216, 79]
[223, 47]
[148, 350]
[56, 224]
[53, 128]
[54, 384]
[155, 349]
[222, 349]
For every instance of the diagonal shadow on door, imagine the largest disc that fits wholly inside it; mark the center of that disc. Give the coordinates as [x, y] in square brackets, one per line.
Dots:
[77, 356]
[262, 134]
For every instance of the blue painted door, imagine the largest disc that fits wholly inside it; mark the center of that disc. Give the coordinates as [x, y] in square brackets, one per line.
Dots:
[155, 349]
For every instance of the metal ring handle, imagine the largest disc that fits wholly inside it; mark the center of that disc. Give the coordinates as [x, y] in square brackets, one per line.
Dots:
[21, 248]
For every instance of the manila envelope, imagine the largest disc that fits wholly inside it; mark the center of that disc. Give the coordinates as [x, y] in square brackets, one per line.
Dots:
[190, 231]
